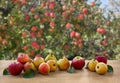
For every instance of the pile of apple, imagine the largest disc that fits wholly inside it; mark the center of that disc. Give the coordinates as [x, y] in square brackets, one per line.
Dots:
[29, 67]
[99, 65]
[43, 65]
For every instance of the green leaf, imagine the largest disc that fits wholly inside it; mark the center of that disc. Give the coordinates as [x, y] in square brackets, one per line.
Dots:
[71, 69]
[6, 72]
[29, 73]
[110, 68]
[87, 66]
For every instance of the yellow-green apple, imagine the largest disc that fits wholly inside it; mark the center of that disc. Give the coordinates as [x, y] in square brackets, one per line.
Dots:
[23, 58]
[37, 61]
[63, 64]
[92, 64]
[78, 62]
[29, 65]
[101, 59]
[44, 68]
[15, 68]
[50, 57]
[53, 65]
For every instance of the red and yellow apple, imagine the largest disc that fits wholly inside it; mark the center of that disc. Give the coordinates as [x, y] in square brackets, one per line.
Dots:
[44, 68]
[29, 65]
[23, 58]
[37, 61]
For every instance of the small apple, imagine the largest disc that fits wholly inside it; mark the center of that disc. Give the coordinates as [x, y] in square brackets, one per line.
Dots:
[77, 35]
[78, 62]
[23, 58]
[85, 10]
[92, 64]
[36, 16]
[29, 65]
[53, 65]
[101, 59]
[44, 68]
[15, 68]
[92, 4]
[101, 30]
[37, 61]
[63, 64]
[72, 34]
[81, 17]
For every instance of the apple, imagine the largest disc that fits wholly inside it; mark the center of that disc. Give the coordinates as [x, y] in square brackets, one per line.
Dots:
[37, 61]
[23, 58]
[77, 35]
[63, 64]
[92, 4]
[44, 68]
[36, 16]
[78, 62]
[92, 64]
[15, 68]
[104, 42]
[72, 34]
[29, 65]
[53, 65]
[101, 30]
[84, 10]
[81, 16]
[101, 59]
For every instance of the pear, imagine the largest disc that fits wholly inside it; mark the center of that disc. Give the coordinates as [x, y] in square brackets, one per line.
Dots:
[50, 57]
[63, 64]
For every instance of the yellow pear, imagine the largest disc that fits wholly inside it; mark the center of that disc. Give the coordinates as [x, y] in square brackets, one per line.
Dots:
[50, 57]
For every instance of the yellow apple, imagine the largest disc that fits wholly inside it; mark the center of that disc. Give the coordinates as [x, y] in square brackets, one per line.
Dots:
[92, 64]
[63, 64]
[101, 68]
[53, 65]
[37, 61]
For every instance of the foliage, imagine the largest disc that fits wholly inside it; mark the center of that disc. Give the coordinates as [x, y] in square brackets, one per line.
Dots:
[68, 28]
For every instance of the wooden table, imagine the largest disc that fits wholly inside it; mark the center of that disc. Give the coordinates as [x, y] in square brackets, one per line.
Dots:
[80, 76]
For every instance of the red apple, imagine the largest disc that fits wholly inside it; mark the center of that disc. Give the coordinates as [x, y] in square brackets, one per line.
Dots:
[72, 34]
[84, 10]
[23, 58]
[77, 35]
[101, 30]
[81, 16]
[44, 68]
[15, 68]
[36, 16]
[101, 59]
[92, 4]
[78, 62]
